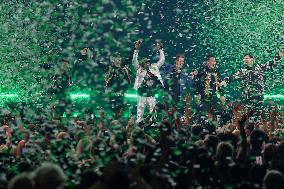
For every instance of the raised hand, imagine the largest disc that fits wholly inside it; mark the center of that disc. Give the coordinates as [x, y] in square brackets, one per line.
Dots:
[223, 83]
[138, 44]
[245, 117]
[84, 51]
[159, 46]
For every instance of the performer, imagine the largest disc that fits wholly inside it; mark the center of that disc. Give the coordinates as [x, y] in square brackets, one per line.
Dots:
[252, 79]
[207, 85]
[62, 79]
[70, 76]
[60, 86]
[148, 80]
[178, 82]
[116, 82]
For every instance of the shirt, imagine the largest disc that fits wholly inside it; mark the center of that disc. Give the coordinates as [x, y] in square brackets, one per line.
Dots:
[119, 81]
[206, 82]
[177, 83]
[150, 85]
[252, 78]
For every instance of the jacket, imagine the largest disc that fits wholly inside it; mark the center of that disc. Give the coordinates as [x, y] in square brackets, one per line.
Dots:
[252, 78]
[206, 82]
[177, 87]
[154, 69]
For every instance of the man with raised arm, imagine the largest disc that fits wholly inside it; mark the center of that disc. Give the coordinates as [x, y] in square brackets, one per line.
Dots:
[148, 79]
[252, 79]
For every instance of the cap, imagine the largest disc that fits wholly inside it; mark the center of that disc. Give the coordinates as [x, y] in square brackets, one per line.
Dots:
[144, 60]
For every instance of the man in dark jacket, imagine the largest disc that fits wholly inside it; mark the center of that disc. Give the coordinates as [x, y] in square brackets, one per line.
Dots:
[178, 82]
[252, 79]
[208, 85]
[117, 82]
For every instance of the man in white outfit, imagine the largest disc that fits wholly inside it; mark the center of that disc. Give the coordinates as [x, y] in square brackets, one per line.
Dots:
[148, 80]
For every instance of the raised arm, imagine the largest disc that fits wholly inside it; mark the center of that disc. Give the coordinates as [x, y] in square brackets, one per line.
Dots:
[162, 55]
[270, 64]
[135, 54]
[243, 146]
[235, 76]
[108, 76]
[135, 59]
[127, 73]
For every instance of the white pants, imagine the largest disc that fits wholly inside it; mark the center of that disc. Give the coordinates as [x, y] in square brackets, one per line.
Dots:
[142, 101]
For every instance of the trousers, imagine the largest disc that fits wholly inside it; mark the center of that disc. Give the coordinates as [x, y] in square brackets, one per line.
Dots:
[142, 102]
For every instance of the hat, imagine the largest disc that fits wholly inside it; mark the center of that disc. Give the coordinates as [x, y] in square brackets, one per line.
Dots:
[115, 56]
[144, 60]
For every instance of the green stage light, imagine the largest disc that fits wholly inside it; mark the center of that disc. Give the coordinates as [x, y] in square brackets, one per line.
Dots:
[79, 96]
[130, 95]
[127, 95]
[8, 96]
[277, 96]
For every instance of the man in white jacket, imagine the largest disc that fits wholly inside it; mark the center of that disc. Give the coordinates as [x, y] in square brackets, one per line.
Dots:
[148, 80]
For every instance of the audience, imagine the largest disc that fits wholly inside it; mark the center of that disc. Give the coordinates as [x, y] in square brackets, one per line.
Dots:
[49, 176]
[22, 181]
[53, 153]
[273, 180]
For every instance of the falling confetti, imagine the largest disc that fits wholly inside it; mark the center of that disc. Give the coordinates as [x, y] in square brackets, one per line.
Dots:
[67, 93]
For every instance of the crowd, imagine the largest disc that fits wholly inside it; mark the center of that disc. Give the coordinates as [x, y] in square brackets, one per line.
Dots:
[170, 151]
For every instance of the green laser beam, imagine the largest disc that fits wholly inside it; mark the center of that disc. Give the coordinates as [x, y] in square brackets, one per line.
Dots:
[136, 95]
[9, 95]
[133, 95]
[276, 96]
[79, 96]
